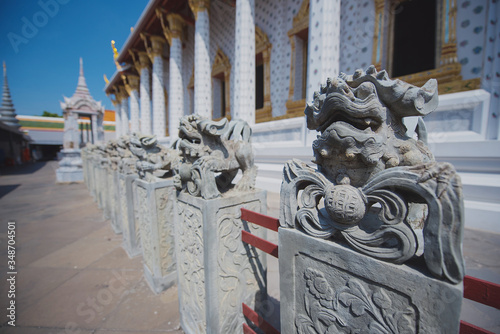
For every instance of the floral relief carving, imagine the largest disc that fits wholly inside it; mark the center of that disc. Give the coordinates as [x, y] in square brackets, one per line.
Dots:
[112, 198]
[356, 307]
[165, 207]
[235, 269]
[123, 205]
[190, 265]
[145, 227]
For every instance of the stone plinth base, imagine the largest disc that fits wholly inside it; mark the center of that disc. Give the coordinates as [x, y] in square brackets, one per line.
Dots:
[154, 208]
[217, 271]
[130, 230]
[101, 183]
[114, 201]
[92, 177]
[329, 287]
[69, 175]
[70, 167]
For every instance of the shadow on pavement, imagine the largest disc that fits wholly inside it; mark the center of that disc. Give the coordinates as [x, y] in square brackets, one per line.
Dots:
[28, 168]
[4, 190]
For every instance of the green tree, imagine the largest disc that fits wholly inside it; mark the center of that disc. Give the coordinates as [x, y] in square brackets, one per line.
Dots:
[50, 114]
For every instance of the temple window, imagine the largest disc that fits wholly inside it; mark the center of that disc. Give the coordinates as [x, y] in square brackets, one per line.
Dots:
[190, 89]
[298, 66]
[263, 109]
[418, 53]
[221, 74]
[419, 42]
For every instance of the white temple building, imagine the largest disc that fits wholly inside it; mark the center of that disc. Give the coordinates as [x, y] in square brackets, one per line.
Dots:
[80, 106]
[262, 60]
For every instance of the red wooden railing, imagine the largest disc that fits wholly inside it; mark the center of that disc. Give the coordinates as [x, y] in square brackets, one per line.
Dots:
[267, 247]
[264, 221]
[475, 289]
[483, 292]
[258, 321]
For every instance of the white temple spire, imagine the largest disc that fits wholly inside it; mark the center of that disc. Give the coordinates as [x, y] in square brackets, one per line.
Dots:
[81, 88]
[7, 111]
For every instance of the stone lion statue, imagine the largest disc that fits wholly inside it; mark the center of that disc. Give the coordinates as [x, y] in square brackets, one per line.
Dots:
[152, 158]
[209, 148]
[375, 187]
[360, 118]
[127, 160]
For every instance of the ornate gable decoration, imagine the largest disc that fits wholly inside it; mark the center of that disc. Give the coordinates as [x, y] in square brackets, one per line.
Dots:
[221, 63]
[261, 41]
[301, 20]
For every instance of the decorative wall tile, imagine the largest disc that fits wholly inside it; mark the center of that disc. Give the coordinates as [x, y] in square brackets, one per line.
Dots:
[145, 95]
[222, 36]
[202, 66]
[356, 34]
[471, 20]
[187, 67]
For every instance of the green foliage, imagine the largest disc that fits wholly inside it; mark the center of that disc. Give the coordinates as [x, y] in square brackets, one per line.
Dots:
[50, 114]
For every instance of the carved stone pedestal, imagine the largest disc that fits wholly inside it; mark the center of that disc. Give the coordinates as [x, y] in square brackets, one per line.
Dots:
[217, 271]
[107, 191]
[114, 199]
[325, 284]
[130, 230]
[93, 177]
[154, 212]
[101, 183]
[85, 167]
[70, 167]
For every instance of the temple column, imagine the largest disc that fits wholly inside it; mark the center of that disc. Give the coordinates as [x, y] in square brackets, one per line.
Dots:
[491, 69]
[324, 50]
[118, 110]
[155, 54]
[202, 72]
[71, 136]
[132, 87]
[323, 58]
[145, 88]
[244, 55]
[176, 86]
[93, 129]
[124, 112]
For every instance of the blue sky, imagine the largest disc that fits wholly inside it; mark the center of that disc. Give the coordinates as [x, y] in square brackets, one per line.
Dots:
[43, 62]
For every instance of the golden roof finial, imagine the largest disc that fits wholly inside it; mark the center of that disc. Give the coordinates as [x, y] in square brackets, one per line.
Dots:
[115, 55]
[106, 79]
[115, 51]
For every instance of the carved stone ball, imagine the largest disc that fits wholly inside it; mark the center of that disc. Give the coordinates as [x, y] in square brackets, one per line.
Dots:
[345, 204]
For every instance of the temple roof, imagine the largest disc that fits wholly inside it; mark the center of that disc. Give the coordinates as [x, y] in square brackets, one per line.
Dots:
[7, 111]
[82, 101]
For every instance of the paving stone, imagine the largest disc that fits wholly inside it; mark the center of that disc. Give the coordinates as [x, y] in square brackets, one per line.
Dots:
[85, 300]
[162, 312]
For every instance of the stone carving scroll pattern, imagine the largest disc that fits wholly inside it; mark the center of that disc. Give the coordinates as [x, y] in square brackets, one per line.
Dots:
[145, 227]
[165, 210]
[235, 267]
[124, 209]
[192, 271]
[112, 199]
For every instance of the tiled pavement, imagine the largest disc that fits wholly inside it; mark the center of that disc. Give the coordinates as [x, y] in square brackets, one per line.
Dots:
[72, 274]
[74, 277]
